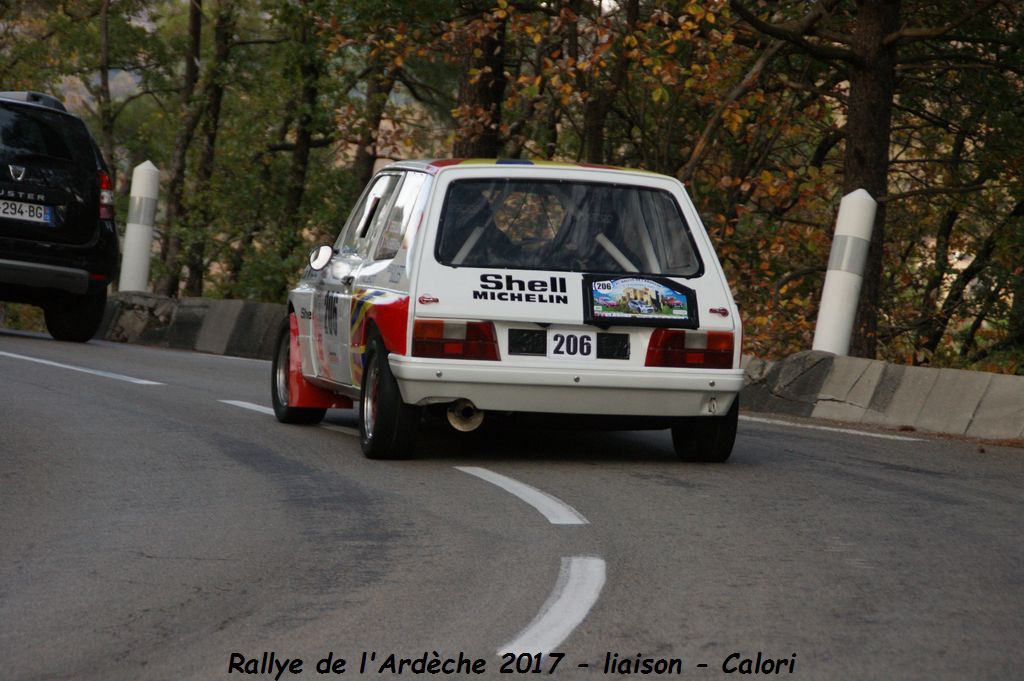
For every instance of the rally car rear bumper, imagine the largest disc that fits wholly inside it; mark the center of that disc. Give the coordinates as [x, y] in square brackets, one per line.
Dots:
[569, 390]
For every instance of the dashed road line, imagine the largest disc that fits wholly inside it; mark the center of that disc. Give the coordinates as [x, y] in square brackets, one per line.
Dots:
[340, 429]
[250, 406]
[829, 429]
[71, 367]
[579, 584]
[580, 578]
[267, 410]
[554, 509]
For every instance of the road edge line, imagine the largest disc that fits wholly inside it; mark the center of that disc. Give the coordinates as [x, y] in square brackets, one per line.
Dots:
[829, 429]
[71, 367]
[250, 406]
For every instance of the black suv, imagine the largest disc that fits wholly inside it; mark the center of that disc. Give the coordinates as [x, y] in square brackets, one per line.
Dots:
[58, 243]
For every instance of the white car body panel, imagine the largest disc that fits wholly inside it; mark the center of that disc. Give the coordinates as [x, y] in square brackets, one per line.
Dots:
[548, 299]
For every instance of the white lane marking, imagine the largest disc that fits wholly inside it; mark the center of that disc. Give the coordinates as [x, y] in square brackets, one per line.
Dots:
[847, 431]
[340, 429]
[580, 581]
[555, 510]
[580, 578]
[267, 410]
[232, 358]
[94, 372]
[250, 406]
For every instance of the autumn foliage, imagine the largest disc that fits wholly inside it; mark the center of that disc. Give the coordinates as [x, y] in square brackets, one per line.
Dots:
[769, 112]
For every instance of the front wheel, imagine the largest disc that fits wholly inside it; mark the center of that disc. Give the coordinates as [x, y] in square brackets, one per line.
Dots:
[707, 439]
[387, 425]
[279, 378]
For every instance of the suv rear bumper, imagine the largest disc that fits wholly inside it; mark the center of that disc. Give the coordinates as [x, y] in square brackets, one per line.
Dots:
[54, 277]
[612, 392]
[31, 271]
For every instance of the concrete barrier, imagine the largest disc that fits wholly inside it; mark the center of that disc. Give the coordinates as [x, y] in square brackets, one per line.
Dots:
[256, 330]
[820, 385]
[791, 386]
[811, 384]
[140, 318]
[1000, 414]
[219, 324]
[189, 316]
[221, 327]
[847, 391]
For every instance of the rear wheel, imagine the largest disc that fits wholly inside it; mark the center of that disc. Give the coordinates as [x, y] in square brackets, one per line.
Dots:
[279, 378]
[75, 318]
[387, 425]
[707, 439]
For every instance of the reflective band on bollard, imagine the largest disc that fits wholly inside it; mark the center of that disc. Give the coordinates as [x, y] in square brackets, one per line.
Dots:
[846, 264]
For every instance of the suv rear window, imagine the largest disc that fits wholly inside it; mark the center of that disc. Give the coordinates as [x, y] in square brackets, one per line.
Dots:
[28, 131]
[565, 226]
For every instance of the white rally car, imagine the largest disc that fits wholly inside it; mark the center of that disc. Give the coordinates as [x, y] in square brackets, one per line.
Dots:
[513, 286]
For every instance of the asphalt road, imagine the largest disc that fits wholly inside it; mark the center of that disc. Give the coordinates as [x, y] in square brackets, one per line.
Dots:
[153, 530]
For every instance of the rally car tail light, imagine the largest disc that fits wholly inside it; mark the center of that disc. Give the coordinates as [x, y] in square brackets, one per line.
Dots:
[106, 196]
[690, 349]
[454, 340]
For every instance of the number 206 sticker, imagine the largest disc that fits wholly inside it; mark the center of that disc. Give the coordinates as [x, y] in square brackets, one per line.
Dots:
[572, 344]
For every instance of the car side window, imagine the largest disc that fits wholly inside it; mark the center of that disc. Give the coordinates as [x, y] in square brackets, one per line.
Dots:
[367, 211]
[375, 222]
[389, 238]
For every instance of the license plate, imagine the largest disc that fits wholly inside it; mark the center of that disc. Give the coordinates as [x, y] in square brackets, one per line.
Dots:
[572, 344]
[30, 212]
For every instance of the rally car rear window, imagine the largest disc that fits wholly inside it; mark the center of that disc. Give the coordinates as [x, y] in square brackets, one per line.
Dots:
[565, 226]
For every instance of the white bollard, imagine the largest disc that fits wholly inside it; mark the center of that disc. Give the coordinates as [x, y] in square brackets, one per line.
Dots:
[138, 235]
[845, 273]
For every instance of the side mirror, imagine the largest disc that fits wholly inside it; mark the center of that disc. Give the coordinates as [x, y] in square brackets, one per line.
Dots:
[320, 256]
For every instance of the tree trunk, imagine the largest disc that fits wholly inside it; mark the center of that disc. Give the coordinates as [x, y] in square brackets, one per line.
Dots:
[254, 223]
[967, 346]
[190, 113]
[1016, 315]
[551, 124]
[213, 97]
[602, 96]
[378, 90]
[289, 221]
[1015, 338]
[106, 110]
[482, 89]
[296, 186]
[936, 326]
[866, 161]
[933, 286]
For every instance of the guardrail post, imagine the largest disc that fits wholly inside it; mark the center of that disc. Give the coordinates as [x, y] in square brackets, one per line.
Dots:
[138, 236]
[845, 273]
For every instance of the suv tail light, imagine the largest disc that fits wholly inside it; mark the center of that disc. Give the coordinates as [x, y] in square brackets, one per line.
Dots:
[454, 340]
[106, 196]
[690, 349]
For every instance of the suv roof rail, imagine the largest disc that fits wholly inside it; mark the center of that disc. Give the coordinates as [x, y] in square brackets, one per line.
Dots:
[40, 98]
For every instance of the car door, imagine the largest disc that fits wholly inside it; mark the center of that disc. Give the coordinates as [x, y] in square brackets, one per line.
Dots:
[332, 308]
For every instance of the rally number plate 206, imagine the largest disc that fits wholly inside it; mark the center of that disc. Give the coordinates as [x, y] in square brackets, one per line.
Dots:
[575, 345]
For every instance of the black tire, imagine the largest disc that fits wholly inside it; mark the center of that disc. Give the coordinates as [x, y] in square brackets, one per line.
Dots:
[279, 382]
[75, 318]
[706, 439]
[387, 425]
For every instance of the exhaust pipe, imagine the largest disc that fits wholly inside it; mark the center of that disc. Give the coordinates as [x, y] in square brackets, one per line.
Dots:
[464, 416]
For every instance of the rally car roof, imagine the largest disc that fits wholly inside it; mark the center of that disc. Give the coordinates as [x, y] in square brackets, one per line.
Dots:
[433, 166]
